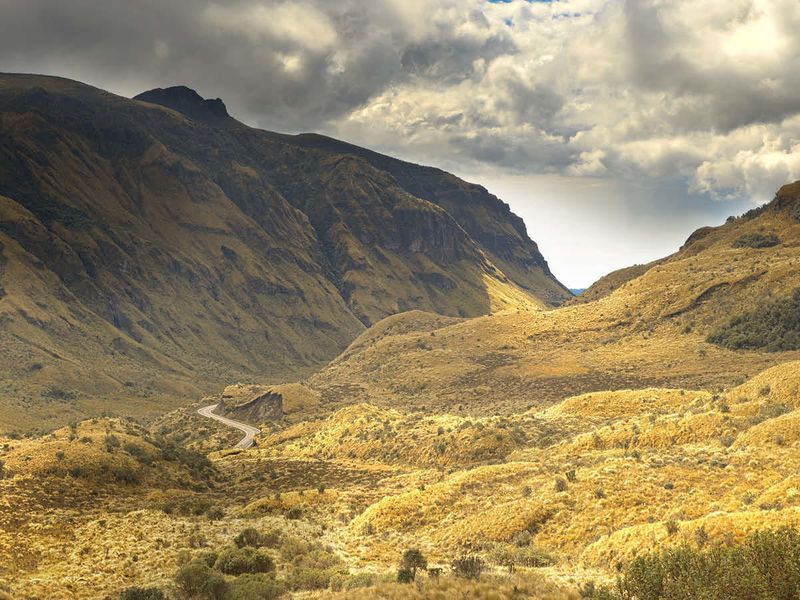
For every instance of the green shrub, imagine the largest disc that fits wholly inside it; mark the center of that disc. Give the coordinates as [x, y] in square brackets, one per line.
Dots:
[140, 593]
[258, 586]
[236, 561]
[346, 581]
[774, 327]
[196, 580]
[412, 560]
[404, 575]
[254, 538]
[510, 556]
[764, 567]
[310, 578]
[60, 394]
[209, 557]
[215, 513]
[111, 442]
[756, 240]
[313, 566]
[140, 454]
[468, 567]
[125, 474]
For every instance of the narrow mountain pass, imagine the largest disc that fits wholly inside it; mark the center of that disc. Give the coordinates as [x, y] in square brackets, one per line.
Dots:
[249, 431]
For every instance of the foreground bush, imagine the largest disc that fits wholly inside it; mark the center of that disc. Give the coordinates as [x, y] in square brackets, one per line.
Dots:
[196, 580]
[511, 557]
[491, 588]
[756, 240]
[236, 561]
[256, 587]
[254, 538]
[140, 593]
[468, 567]
[774, 328]
[313, 566]
[765, 567]
[412, 560]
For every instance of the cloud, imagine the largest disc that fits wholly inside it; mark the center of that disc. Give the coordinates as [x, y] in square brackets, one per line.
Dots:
[701, 91]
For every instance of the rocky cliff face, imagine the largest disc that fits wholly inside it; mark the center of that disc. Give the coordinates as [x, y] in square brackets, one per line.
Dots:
[162, 247]
[259, 407]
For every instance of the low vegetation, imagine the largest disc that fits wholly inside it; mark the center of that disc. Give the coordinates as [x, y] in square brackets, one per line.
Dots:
[766, 566]
[774, 327]
[756, 240]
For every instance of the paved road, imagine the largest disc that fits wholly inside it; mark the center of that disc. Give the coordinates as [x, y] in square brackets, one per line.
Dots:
[249, 430]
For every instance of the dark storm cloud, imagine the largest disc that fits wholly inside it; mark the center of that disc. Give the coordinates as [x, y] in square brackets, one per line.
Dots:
[698, 89]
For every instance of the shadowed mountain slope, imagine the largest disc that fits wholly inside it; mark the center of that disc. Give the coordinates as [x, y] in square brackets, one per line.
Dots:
[153, 250]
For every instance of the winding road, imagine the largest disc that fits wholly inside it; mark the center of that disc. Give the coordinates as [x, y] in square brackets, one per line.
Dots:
[249, 431]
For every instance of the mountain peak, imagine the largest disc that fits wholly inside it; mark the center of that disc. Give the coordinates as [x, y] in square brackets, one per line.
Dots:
[187, 101]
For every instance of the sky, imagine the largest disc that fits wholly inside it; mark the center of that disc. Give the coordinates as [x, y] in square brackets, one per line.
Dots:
[613, 127]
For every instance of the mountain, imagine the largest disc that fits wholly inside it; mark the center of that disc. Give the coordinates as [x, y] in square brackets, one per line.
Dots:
[157, 248]
[717, 311]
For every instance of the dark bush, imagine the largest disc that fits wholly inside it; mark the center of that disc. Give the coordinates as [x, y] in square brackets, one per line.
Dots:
[209, 557]
[137, 452]
[236, 561]
[256, 587]
[756, 240]
[196, 462]
[254, 538]
[57, 393]
[774, 327]
[125, 474]
[196, 580]
[404, 575]
[215, 513]
[313, 566]
[140, 593]
[764, 567]
[413, 560]
[112, 442]
[468, 567]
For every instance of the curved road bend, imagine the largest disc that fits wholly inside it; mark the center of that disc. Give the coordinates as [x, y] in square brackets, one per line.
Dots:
[249, 431]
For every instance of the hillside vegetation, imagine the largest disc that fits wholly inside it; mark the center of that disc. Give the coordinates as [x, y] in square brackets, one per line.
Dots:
[639, 443]
[651, 330]
[552, 500]
[153, 251]
[773, 327]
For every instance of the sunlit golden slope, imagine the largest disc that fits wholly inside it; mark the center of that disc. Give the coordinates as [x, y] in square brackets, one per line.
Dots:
[597, 479]
[650, 330]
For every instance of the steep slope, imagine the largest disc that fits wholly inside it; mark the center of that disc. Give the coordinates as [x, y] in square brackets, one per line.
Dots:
[650, 327]
[487, 220]
[150, 253]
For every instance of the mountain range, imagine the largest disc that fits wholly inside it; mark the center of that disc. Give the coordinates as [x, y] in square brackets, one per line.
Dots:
[156, 248]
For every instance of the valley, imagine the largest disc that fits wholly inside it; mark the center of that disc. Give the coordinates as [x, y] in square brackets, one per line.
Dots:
[427, 412]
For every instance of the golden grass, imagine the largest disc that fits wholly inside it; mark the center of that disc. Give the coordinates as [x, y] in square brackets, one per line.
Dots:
[449, 588]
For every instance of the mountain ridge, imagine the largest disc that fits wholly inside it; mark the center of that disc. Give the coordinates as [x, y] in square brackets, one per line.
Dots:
[148, 253]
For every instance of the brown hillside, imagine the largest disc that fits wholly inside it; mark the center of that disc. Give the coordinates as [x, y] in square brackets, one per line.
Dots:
[649, 330]
[151, 254]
